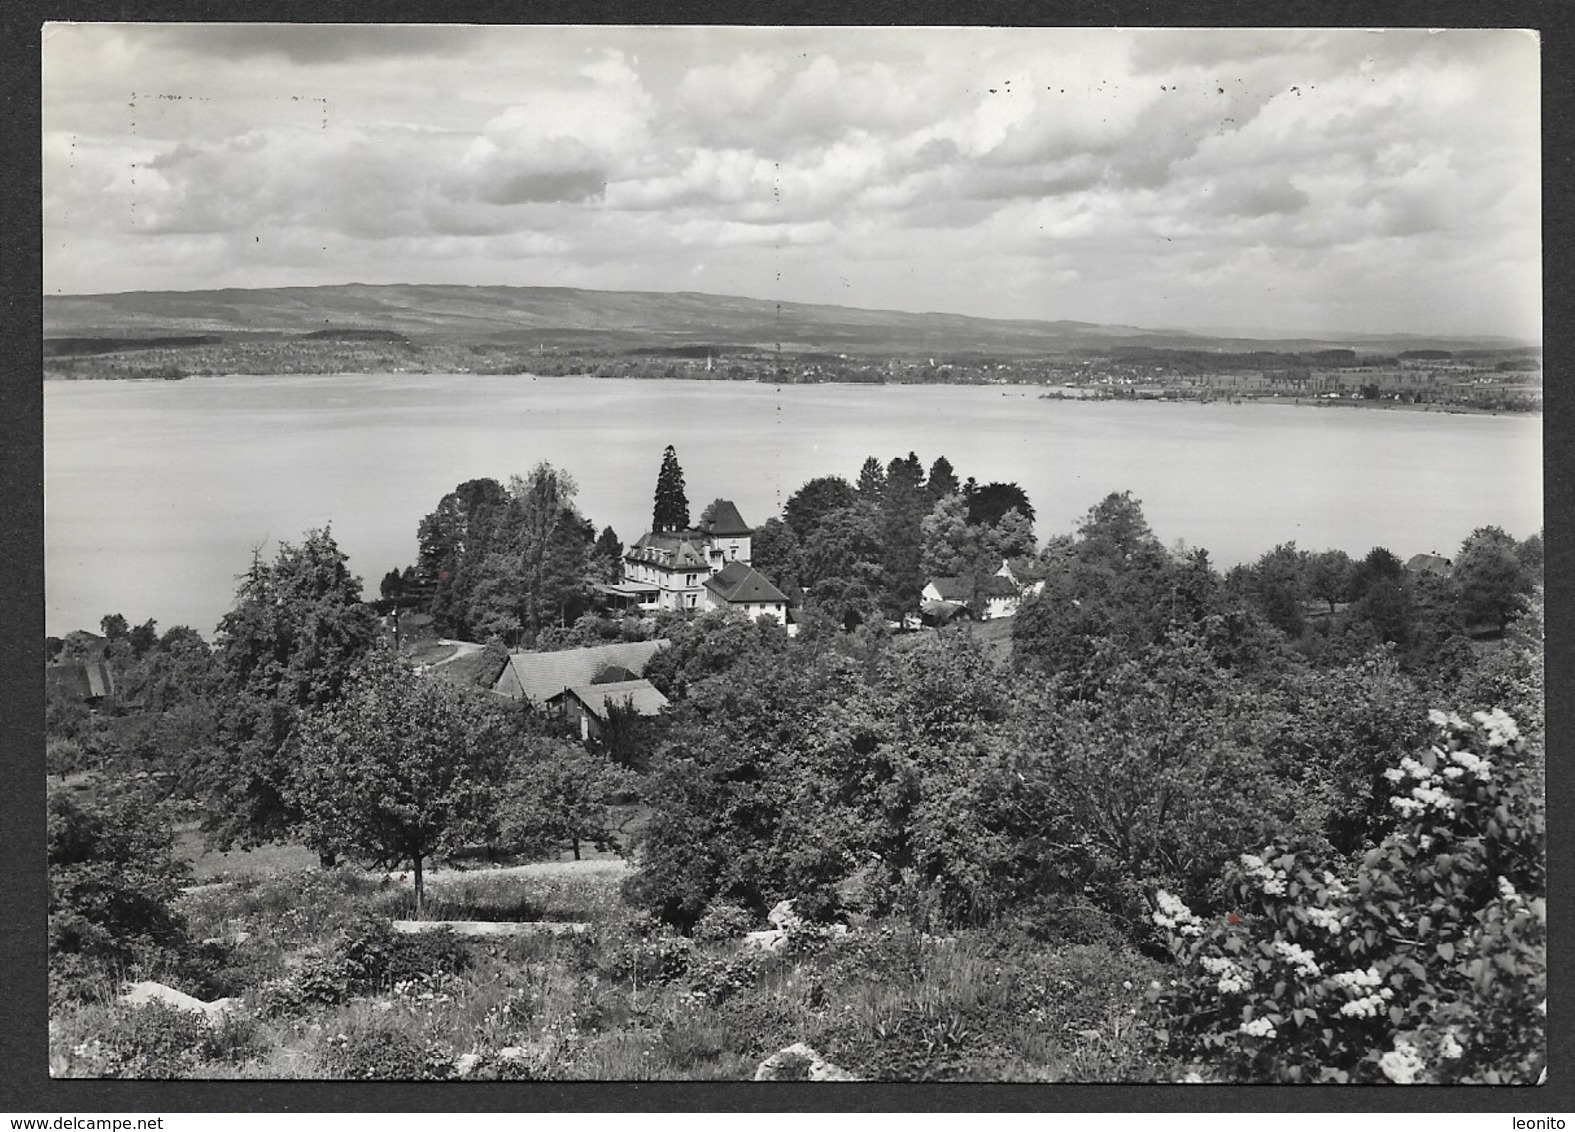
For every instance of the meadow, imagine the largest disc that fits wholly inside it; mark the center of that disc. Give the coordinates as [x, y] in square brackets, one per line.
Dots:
[322, 988]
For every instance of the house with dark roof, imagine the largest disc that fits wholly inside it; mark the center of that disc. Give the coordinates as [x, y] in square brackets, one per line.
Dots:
[539, 677]
[1429, 564]
[87, 681]
[740, 588]
[592, 705]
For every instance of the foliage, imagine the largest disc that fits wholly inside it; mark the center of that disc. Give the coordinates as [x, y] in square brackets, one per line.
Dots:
[373, 956]
[111, 885]
[1427, 963]
[288, 644]
[385, 1052]
[1492, 579]
[559, 793]
[154, 1040]
[400, 768]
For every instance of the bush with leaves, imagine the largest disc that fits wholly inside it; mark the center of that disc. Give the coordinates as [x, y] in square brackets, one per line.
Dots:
[152, 1040]
[111, 884]
[1426, 964]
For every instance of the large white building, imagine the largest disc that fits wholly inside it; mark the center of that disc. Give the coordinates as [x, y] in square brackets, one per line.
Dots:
[705, 567]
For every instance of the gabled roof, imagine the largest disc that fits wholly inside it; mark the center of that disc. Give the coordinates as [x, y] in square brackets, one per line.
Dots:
[675, 551]
[82, 680]
[966, 589]
[725, 521]
[641, 695]
[1429, 564]
[736, 583]
[538, 676]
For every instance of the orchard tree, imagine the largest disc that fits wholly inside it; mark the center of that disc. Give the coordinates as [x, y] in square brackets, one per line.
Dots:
[400, 768]
[671, 510]
[1328, 576]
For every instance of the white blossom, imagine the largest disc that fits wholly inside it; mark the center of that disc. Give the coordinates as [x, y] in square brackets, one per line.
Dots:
[1401, 1064]
[1500, 727]
[1259, 1028]
[1298, 957]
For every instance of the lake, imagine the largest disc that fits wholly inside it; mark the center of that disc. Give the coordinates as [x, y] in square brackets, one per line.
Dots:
[157, 493]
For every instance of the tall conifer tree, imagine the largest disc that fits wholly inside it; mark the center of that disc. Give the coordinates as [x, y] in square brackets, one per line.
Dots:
[672, 505]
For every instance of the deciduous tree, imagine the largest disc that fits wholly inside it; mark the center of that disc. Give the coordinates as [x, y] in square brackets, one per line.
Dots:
[399, 768]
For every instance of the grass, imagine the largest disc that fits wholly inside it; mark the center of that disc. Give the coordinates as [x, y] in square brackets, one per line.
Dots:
[623, 1002]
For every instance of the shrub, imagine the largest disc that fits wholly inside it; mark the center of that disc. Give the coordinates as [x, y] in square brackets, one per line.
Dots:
[111, 879]
[1427, 964]
[724, 921]
[155, 1040]
[376, 957]
[385, 1053]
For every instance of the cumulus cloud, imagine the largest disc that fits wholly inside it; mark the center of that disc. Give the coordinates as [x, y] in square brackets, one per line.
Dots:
[1093, 174]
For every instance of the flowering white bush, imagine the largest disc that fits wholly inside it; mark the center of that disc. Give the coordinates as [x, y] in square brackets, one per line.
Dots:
[1427, 963]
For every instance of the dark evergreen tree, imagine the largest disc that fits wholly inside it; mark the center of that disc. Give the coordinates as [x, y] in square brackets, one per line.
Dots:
[872, 480]
[671, 512]
[943, 479]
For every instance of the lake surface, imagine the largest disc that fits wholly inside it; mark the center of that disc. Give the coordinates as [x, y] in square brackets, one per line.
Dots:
[157, 492]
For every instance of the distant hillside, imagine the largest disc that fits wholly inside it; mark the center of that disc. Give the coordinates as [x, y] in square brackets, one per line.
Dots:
[567, 317]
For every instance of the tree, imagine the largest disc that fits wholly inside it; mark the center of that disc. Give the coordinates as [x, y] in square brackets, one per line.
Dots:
[987, 504]
[872, 480]
[609, 555]
[400, 768]
[287, 645]
[454, 541]
[943, 479]
[1011, 537]
[951, 547]
[114, 627]
[671, 510]
[535, 575]
[1493, 580]
[818, 498]
[775, 551]
[1329, 575]
[561, 793]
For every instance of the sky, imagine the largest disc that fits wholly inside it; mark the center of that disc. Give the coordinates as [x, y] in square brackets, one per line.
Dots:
[1269, 181]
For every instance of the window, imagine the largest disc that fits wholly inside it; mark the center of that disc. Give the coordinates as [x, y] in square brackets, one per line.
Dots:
[732, 550]
[691, 601]
[689, 581]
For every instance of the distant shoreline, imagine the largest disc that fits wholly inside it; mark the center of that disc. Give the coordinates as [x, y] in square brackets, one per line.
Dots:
[1046, 392]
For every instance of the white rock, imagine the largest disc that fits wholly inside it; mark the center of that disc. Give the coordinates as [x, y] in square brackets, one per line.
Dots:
[819, 1069]
[466, 1064]
[783, 916]
[771, 939]
[140, 994]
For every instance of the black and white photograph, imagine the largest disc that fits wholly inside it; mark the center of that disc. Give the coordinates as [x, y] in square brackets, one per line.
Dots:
[722, 553]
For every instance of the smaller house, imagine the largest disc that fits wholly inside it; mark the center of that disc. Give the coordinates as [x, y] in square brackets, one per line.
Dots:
[1433, 564]
[591, 705]
[992, 596]
[86, 681]
[540, 677]
[740, 588]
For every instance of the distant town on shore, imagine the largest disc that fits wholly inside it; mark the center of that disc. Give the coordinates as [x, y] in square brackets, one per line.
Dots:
[551, 332]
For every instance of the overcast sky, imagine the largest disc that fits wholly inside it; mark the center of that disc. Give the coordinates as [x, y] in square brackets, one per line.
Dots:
[1275, 180]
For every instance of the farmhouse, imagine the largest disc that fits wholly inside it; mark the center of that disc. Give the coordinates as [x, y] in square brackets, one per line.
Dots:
[591, 705]
[990, 597]
[540, 677]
